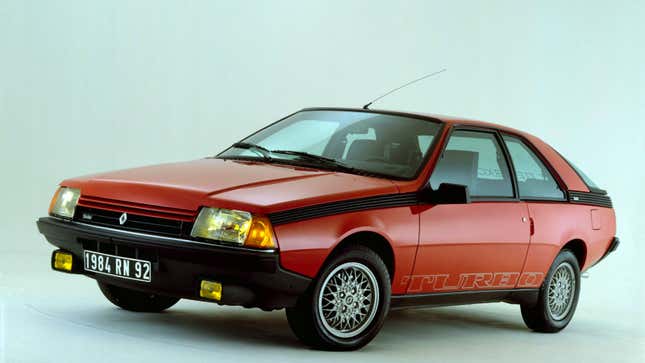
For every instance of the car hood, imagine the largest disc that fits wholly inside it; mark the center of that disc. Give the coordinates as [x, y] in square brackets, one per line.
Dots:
[254, 186]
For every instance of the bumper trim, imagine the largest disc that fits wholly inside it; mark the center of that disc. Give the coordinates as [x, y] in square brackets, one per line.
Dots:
[251, 278]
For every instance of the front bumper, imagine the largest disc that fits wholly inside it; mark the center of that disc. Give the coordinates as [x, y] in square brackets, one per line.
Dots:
[250, 278]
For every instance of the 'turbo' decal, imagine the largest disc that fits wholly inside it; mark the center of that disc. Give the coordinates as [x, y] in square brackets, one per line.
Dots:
[475, 280]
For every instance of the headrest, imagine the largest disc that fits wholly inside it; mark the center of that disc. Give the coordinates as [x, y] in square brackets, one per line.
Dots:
[364, 150]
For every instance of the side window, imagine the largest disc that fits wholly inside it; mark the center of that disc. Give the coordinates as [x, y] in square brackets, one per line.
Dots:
[475, 159]
[533, 178]
[583, 176]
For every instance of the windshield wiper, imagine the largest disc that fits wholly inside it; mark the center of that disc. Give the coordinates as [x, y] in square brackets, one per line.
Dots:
[312, 158]
[261, 150]
[318, 159]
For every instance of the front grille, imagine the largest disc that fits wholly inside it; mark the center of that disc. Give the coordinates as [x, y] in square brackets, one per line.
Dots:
[133, 222]
[120, 250]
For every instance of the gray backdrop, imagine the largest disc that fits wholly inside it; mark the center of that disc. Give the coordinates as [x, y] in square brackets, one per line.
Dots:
[90, 86]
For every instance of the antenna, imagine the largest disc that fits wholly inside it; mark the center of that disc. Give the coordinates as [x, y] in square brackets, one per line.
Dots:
[366, 107]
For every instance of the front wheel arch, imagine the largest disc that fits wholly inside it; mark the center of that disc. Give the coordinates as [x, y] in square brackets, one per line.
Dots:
[372, 240]
[306, 319]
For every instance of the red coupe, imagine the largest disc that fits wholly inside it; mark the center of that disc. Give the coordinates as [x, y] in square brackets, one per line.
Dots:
[339, 215]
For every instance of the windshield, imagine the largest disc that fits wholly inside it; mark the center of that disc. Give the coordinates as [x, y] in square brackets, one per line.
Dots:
[374, 143]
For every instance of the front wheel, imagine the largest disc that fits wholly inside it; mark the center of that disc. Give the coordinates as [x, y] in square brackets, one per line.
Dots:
[558, 296]
[346, 306]
[136, 300]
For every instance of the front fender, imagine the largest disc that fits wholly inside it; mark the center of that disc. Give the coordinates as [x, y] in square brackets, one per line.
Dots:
[305, 245]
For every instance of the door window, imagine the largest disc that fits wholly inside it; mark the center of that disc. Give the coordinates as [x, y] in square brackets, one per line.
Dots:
[533, 178]
[474, 159]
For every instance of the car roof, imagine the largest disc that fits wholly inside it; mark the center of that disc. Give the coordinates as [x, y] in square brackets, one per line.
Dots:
[452, 120]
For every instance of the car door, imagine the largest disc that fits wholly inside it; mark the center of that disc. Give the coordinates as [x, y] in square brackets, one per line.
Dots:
[480, 245]
[544, 197]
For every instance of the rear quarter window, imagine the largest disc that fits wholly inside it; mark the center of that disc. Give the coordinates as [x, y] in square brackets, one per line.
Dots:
[590, 184]
[534, 179]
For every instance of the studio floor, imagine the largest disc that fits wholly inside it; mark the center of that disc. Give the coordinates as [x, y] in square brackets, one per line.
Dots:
[47, 316]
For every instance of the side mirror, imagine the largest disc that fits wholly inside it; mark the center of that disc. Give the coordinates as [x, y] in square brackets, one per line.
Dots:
[448, 193]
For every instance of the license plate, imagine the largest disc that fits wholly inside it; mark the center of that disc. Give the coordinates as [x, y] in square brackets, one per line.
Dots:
[117, 266]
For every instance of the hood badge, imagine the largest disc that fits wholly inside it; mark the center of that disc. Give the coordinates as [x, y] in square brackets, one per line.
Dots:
[123, 218]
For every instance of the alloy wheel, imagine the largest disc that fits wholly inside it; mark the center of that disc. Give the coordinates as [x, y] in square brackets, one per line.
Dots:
[348, 300]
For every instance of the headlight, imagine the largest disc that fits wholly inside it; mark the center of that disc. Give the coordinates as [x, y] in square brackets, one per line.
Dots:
[64, 202]
[234, 226]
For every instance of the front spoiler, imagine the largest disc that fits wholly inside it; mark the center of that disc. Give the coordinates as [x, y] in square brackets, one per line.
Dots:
[250, 278]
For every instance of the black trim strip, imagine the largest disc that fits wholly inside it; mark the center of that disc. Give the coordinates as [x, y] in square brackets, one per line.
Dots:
[344, 206]
[588, 198]
[513, 296]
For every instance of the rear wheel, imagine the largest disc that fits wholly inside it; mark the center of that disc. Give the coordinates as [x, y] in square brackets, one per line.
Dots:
[346, 306]
[558, 296]
[136, 300]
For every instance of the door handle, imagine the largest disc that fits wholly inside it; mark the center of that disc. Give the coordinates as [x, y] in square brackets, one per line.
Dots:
[531, 225]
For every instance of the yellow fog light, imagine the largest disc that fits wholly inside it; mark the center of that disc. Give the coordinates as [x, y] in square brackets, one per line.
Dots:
[63, 261]
[211, 290]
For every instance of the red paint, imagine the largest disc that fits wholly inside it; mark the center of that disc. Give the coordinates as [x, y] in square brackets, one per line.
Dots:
[482, 245]
[480, 237]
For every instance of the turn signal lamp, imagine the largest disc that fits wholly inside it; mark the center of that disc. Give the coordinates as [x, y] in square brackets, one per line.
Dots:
[260, 234]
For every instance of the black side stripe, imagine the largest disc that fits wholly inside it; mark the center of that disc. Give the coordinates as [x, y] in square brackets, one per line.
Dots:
[596, 199]
[344, 206]
[395, 200]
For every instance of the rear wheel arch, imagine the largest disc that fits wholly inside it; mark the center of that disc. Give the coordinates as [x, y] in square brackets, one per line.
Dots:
[558, 296]
[579, 248]
[372, 240]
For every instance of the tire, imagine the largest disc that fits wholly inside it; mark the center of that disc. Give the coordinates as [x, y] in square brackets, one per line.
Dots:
[541, 317]
[135, 300]
[313, 320]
